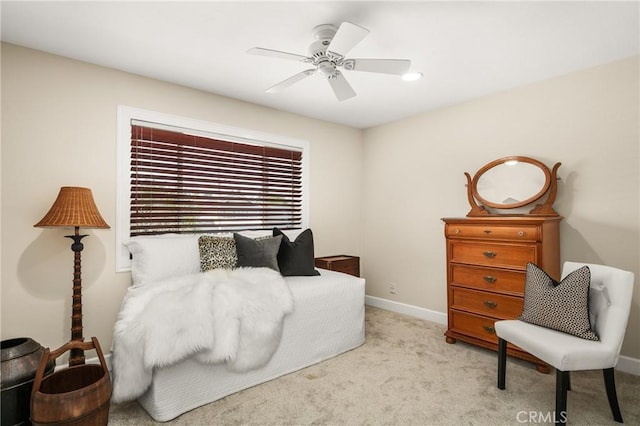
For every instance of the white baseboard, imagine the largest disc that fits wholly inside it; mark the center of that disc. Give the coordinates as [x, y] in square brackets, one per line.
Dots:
[626, 364]
[629, 365]
[403, 308]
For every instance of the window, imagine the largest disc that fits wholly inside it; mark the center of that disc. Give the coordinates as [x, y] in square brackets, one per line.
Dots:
[185, 176]
[187, 183]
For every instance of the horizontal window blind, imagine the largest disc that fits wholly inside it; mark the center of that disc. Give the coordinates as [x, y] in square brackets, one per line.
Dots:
[194, 184]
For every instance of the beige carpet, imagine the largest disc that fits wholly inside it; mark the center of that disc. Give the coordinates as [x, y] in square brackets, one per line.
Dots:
[405, 374]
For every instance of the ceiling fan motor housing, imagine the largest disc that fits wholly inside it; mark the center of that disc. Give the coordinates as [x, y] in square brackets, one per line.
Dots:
[323, 35]
[324, 32]
[318, 49]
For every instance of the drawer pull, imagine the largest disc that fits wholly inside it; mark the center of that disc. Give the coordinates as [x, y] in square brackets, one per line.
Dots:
[490, 304]
[520, 233]
[487, 231]
[489, 329]
[489, 279]
[489, 254]
[457, 231]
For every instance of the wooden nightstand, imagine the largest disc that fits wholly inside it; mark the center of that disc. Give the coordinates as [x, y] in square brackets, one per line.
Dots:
[341, 263]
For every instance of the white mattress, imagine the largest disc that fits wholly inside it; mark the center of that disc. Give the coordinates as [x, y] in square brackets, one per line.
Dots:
[328, 319]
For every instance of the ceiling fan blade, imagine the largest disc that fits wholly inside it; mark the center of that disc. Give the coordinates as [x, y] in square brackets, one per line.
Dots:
[341, 87]
[347, 36]
[290, 81]
[278, 54]
[383, 66]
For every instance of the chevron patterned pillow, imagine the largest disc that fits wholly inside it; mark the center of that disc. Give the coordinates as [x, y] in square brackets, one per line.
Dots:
[562, 306]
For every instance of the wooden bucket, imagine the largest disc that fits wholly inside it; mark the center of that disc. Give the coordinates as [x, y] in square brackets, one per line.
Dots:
[78, 395]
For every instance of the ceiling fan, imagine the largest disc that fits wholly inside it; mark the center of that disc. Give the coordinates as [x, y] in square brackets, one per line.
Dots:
[327, 54]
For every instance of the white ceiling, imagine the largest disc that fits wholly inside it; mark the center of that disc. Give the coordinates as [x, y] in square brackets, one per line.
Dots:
[464, 49]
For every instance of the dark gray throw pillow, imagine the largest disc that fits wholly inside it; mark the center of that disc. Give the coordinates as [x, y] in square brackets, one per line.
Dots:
[296, 257]
[562, 306]
[261, 252]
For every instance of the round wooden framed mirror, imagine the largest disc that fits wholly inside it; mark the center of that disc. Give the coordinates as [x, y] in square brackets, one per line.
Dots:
[512, 182]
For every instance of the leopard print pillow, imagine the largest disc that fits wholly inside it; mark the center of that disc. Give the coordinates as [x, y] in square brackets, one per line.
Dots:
[562, 306]
[217, 252]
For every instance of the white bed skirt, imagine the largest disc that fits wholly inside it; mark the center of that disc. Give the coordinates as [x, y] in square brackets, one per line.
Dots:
[328, 319]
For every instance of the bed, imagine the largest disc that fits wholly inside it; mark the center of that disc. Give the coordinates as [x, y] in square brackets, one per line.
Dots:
[327, 319]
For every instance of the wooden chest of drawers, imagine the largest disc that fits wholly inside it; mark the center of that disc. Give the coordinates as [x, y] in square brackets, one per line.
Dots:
[486, 264]
[341, 263]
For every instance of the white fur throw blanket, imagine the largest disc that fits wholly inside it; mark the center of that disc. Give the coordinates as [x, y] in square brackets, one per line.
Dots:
[232, 316]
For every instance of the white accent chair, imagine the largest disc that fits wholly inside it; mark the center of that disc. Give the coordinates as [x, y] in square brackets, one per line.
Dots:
[609, 304]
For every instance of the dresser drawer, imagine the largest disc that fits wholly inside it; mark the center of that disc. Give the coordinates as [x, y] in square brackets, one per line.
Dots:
[492, 254]
[495, 305]
[477, 326]
[493, 232]
[482, 278]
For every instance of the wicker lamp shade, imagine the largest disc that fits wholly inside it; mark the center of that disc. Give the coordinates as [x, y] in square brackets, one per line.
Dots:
[74, 207]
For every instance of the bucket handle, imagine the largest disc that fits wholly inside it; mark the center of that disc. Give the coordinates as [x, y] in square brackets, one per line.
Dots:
[48, 355]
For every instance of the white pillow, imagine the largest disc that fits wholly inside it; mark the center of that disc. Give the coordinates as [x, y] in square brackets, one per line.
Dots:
[163, 256]
[290, 233]
[255, 234]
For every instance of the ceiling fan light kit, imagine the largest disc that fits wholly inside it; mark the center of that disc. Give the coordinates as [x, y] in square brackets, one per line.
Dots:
[327, 54]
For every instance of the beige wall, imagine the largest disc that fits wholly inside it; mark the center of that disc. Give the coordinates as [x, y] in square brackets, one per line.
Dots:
[413, 176]
[59, 128]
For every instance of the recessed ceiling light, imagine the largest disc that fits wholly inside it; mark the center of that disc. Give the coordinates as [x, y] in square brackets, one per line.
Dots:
[412, 76]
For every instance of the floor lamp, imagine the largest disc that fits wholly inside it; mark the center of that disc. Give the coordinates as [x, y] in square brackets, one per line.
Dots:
[75, 208]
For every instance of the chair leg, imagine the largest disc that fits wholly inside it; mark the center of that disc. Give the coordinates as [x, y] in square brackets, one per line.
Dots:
[610, 384]
[502, 362]
[568, 380]
[562, 383]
